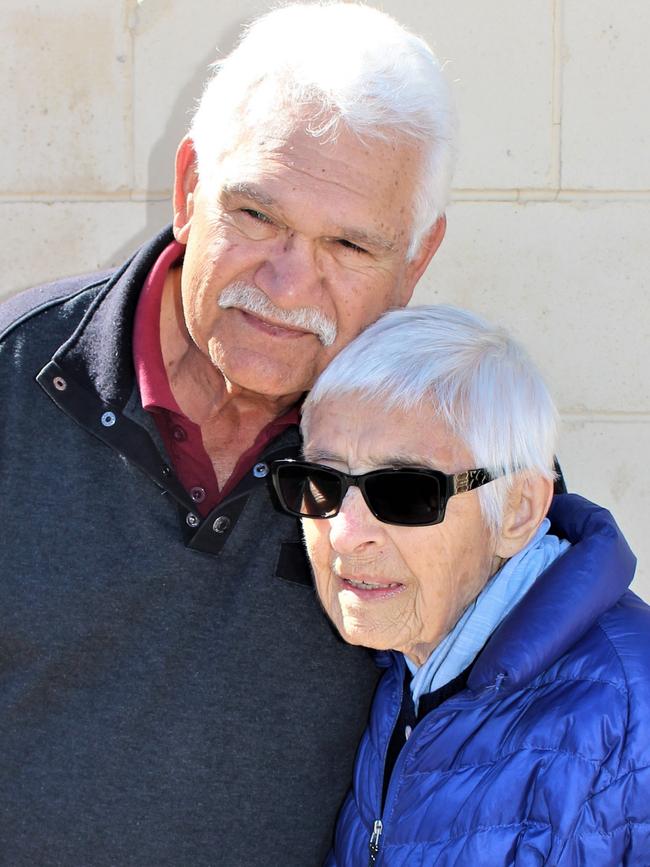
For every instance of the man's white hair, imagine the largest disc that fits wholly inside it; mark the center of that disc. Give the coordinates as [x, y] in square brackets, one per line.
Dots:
[479, 380]
[327, 64]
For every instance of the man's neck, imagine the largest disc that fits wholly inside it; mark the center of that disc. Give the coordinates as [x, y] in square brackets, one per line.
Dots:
[230, 418]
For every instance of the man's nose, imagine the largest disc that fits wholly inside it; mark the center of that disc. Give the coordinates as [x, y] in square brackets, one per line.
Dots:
[355, 529]
[291, 272]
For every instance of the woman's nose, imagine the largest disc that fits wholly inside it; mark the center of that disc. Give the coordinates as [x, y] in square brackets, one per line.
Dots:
[355, 527]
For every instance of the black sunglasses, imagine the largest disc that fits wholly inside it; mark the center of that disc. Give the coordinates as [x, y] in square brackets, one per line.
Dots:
[408, 496]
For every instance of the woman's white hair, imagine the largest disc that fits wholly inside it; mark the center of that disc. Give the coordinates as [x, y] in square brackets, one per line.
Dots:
[479, 380]
[328, 64]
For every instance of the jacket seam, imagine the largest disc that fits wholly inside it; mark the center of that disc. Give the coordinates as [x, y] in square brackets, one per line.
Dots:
[406, 774]
[477, 829]
[617, 779]
[571, 680]
[534, 688]
[48, 305]
[96, 303]
[523, 749]
[544, 684]
[585, 835]
[590, 796]
[480, 829]
[627, 824]
[623, 746]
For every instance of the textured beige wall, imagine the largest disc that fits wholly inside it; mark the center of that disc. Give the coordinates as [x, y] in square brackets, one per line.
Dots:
[550, 225]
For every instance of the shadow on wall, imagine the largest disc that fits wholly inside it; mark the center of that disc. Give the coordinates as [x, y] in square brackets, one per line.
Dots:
[160, 175]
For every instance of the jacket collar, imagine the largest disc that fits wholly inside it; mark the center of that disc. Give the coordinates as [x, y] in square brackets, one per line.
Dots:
[564, 602]
[100, 353]
[91, 377]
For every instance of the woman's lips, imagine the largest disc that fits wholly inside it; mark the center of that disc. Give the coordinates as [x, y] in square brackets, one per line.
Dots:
[369, 587]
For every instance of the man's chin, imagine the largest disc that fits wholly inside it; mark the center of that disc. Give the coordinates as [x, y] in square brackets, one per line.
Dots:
[270, 381]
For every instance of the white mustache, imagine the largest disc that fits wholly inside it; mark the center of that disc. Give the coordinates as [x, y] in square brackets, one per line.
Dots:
[253, 300]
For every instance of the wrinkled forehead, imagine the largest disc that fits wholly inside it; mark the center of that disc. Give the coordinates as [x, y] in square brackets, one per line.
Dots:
[268, 125]
[338, 186]
[364, 433]
[243, 139]
[277, 105]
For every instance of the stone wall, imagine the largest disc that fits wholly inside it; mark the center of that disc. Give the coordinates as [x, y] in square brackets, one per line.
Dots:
[549, 226]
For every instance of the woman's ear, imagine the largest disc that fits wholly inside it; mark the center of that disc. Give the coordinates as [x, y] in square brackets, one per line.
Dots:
[185, 181]
[526, 507]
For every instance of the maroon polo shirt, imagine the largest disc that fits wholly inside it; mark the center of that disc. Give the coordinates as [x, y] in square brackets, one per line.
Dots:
[181, 436]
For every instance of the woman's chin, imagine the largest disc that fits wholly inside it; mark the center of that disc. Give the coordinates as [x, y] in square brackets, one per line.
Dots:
[354, 632]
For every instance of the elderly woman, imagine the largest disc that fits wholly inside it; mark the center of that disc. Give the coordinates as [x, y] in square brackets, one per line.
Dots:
[512, 725]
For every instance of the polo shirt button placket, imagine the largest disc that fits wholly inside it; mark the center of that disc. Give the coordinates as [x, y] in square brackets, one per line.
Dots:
[197, 493]
[221, 524]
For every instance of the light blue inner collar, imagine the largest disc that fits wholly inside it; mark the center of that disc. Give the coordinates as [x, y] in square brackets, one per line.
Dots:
[499, 596]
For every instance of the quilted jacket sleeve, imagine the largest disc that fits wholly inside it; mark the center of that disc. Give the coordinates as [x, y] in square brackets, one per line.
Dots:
[613, 827]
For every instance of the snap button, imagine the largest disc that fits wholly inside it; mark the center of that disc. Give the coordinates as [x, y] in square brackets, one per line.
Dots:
[179, 434]
[59, 383]
[192, 520]
[221, 524]
[108, 419]
[166, 471]
[260, 471]
[197, 494]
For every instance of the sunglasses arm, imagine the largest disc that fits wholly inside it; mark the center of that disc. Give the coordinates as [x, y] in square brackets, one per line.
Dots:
[469, 480]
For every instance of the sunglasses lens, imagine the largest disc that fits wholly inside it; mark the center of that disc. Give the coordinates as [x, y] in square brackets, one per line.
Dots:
[310, 492]
[404, 497]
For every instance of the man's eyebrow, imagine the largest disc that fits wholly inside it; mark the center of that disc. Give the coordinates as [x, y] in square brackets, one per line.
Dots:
[367, 240]
[248, 191]
[363, 239]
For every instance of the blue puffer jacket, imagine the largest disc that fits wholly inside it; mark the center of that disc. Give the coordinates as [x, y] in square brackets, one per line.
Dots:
[545, 757]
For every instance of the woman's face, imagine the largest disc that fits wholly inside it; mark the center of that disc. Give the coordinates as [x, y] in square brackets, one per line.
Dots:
[386, 586]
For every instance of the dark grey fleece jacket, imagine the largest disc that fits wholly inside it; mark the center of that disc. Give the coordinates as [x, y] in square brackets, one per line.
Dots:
[171, 694]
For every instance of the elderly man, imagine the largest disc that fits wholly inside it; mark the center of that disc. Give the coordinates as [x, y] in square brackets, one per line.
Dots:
[172, 694]
[513, 723]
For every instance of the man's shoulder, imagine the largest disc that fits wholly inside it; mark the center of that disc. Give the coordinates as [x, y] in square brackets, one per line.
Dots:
[54, 297]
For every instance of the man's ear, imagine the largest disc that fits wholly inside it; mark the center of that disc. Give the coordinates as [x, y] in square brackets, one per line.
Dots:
[417, 266]
[526, 507]
[185, 181]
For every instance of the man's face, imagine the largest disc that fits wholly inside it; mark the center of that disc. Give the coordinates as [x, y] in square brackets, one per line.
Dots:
[387, 586]
[310, 224]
